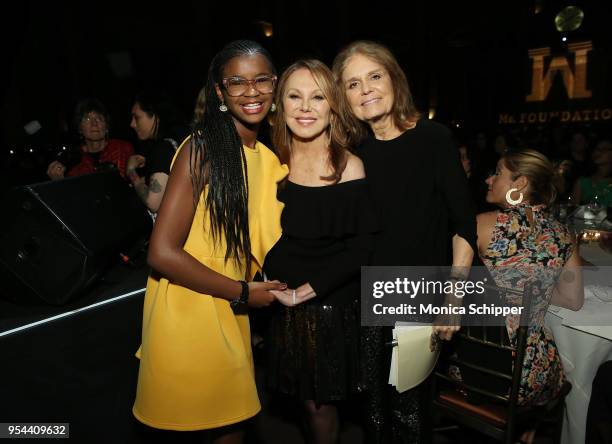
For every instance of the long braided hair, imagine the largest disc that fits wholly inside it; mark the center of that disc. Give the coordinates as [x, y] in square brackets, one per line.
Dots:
[217, 159]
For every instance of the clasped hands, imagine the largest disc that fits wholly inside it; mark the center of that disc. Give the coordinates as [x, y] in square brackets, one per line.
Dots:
[292, 297]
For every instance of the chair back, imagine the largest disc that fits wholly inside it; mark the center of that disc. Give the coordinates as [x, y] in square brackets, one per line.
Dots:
[490, 365]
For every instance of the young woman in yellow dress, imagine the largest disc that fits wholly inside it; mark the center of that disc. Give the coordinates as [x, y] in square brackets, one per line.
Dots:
[218, 219]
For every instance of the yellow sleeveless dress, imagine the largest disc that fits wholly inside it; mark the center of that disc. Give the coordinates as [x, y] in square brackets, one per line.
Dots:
[196, 368]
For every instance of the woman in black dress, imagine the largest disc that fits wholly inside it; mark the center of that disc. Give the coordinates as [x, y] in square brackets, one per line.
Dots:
[421, 193]
[314, 337]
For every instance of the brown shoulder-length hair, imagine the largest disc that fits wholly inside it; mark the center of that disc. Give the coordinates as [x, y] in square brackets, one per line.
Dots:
[404, 110]
[337, 129]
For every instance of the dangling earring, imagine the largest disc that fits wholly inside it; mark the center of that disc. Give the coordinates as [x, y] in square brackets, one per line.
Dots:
[332, 124]
[329, 130]
[513, 201]
[223, 107]
[273, 107]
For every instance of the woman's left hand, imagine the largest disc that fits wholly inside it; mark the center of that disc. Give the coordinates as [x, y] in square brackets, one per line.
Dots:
[291, 297]
[285, 297]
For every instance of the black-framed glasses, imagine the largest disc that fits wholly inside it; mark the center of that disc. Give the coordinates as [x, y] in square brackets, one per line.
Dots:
[238, 86]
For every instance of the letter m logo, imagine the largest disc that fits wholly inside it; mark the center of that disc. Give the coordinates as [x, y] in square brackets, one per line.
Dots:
[573, 80]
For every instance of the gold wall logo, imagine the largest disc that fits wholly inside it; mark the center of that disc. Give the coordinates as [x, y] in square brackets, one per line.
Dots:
[573, 80]
[579, 115]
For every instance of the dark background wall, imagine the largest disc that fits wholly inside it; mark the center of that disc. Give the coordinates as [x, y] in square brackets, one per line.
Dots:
[468, 60]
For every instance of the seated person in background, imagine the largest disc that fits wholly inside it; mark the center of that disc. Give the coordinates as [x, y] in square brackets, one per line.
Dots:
[521, 243]
[465, 160]
[600, 182]
[154, 121]
[579, 152]
[482, 157]
[599, 416]
[565, 170]
[478, 189]
[97, 150]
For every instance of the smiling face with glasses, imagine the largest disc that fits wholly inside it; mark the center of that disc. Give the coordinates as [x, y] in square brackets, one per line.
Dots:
[247, 89]
[93, 126]
[238, 86]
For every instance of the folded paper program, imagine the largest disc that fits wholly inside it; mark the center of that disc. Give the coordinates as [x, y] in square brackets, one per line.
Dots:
[411, 360]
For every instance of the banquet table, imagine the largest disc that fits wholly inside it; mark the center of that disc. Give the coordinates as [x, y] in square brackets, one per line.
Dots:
[582, 352]
[584, 337]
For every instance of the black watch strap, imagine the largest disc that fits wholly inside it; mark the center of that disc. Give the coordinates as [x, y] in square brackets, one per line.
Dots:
[243, 299]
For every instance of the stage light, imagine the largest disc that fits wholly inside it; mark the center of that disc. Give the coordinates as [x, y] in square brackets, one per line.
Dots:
[539, 5]
[432, 113]
[266, 28]
[564, 39]
[569, 19]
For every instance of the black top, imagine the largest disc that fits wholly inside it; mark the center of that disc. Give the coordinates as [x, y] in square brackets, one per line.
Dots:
[421, 194]
[326, 238]
[158, 155]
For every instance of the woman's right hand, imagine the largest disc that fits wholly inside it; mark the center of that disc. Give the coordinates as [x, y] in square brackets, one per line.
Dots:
[56, 170]
[260, 293]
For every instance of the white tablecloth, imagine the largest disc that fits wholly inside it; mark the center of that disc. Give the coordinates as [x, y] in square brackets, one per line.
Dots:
[594, 254]
[583, 349]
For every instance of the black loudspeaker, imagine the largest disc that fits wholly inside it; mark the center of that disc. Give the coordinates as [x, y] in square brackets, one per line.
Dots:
[57, 238]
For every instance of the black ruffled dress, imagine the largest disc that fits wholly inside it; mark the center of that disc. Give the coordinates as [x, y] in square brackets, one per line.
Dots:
[313, 348]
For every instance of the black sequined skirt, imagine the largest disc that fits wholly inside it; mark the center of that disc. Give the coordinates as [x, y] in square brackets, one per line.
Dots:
[313, 350]
[389, 417]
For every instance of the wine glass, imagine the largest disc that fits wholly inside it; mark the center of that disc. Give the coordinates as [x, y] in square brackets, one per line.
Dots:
[594, 209]
[594, 204]
[565, 209]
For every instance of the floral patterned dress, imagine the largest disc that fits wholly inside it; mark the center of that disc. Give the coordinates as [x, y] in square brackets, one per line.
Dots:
[523, 250]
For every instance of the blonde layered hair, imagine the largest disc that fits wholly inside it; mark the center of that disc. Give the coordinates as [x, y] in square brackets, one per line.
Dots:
[337, 129]
[544, 180]
[404, 111]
